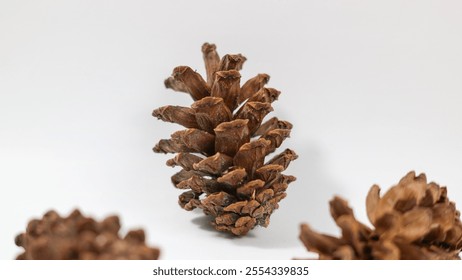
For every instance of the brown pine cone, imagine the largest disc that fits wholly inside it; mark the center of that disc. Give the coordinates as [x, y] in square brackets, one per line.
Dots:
[413, 220]
[81, 238]
[223, 149]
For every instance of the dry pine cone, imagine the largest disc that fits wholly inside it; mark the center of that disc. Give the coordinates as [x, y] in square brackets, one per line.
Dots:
[81, 238]
[413, 220]
[222, 151]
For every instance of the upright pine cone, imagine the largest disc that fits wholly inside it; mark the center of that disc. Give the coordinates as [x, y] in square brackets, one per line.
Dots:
[222, 151]
[81, 238]
[413, 220]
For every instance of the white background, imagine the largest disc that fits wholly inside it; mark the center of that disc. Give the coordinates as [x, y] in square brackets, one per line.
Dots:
[373, 89]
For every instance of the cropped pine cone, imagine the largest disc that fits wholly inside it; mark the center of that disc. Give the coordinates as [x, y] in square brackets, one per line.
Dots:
[412, 221]
[81, 238]
[222, 151]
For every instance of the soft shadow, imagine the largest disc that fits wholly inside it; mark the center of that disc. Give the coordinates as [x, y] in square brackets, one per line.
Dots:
[204, 222]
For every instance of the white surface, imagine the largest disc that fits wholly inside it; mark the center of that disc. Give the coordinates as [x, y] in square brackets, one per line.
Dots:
[373, 89]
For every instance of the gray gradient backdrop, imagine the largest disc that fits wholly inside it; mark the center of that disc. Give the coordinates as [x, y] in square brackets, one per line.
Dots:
[373, 89]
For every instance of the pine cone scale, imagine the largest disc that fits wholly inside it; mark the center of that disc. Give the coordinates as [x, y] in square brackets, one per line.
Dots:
[177, 114]
[193, 81]
[252, 86]
[230, 136]
[226, 87]
[211, 61]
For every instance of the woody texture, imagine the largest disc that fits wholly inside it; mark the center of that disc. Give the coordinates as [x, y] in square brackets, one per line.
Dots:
[77, 237]
[412, 220]
[223, 150]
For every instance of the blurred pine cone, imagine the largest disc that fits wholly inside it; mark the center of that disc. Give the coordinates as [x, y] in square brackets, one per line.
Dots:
[222, 151]
[81, 238]
[413, 220]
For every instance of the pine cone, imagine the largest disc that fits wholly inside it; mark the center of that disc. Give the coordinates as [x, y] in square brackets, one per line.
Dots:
[81, 238]
[413, 220]
[222, 151]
